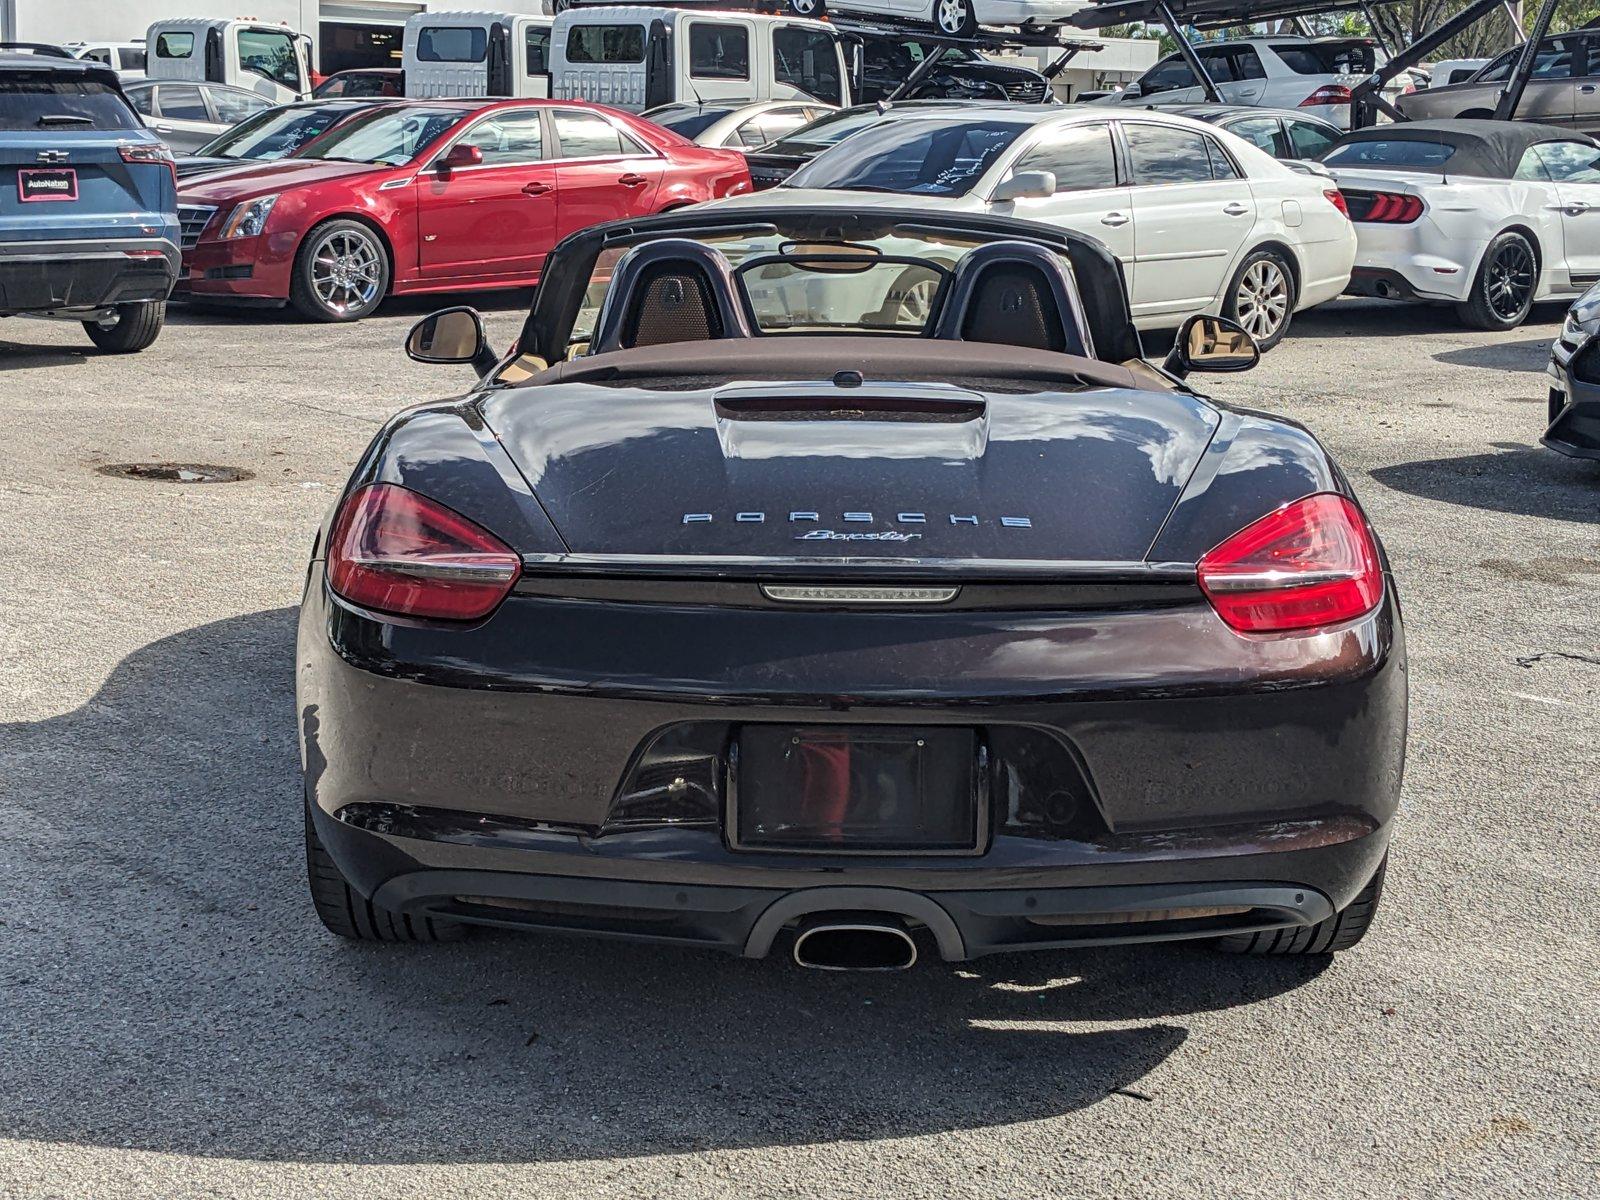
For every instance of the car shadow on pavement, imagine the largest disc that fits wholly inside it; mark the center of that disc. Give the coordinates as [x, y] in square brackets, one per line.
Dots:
[18, 356]
[1526, 480]
[1529, 354]
[168, 987]
[1358, 317]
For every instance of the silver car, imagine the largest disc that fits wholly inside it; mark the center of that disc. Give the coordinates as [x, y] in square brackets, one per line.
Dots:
[188, 115]
[1563, 90]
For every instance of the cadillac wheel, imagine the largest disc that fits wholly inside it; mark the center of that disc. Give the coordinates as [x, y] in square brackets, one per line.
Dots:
[1262, 297]
[341, 272]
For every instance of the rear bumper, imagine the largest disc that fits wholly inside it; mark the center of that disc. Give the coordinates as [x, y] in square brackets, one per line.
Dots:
[84, 276]
[1162, 758]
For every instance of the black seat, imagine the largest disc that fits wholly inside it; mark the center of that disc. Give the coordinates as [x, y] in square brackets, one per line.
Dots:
[673, 290]
[1013, 294]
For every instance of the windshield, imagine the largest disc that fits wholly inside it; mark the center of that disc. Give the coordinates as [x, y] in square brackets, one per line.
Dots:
[276, 133]
[386, 136]
[687, 120]
[49, 100]
[924, 155]
[1396, 155]
[886, 284]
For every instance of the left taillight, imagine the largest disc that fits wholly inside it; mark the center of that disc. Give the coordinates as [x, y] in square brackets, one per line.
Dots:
[1306, 566]
[396, 551]
[1328, 93]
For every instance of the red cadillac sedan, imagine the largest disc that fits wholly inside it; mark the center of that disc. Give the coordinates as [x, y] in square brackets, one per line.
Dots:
[432, 195]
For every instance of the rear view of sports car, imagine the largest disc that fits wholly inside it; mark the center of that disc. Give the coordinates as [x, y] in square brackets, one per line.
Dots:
[847, 585]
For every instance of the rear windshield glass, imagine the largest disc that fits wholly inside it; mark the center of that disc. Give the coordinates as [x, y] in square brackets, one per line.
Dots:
[43, 100]
[925, 156]
[1424, 156]
[690, 120]
[443, 43]
[1328, 58]
[605, 44]
[277, 133]
[826, 131]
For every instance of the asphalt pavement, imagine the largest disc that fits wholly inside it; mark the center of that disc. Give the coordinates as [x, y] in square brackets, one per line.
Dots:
[175, 1023]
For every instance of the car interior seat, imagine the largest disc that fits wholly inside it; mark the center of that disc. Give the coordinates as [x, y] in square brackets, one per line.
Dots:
[673, 290]
[1014, 294]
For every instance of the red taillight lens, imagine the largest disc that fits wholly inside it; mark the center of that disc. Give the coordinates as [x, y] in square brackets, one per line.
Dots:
[1393, 208]
[1309, 565]
[1336, 198]
[396, 551]
[150, 152]
[1328, 93]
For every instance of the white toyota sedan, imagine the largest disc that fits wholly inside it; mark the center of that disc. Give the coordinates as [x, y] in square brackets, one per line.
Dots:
[1202, 221]
[1491, 216]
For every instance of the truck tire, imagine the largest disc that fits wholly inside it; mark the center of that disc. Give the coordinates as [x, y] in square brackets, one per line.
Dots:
[349, 914]
[1339, 932]
[135, 327]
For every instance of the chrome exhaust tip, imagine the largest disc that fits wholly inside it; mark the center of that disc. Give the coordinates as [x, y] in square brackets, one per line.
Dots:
[849, 943]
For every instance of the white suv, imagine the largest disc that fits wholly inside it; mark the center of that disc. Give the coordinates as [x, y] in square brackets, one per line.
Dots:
[1316, 74]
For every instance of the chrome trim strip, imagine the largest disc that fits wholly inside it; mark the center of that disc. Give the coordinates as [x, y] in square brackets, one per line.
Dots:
[792, 594]
[750, 565]
[456, 572]
[1256, 581]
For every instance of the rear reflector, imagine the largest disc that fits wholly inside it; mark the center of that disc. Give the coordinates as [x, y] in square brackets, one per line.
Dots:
[1309, 565]
[396, 551]
[1330, 93]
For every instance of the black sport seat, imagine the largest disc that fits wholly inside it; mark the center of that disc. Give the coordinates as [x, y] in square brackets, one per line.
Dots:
[674, 290]
[1013, 294]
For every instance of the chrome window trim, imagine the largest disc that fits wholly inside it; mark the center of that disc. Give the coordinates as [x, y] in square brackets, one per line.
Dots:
[432, 165]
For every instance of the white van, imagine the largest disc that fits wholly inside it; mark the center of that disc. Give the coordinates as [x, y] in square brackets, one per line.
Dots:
[477, 54]
[271, 60]
[636, 57]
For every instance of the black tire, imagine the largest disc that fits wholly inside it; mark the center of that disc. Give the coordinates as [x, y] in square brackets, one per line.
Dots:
[1263, 282]
[1502, 291]
[955, 18]
[334, 237]
[811, 9]
[1339, 932]
[349, 914]
[135, 328]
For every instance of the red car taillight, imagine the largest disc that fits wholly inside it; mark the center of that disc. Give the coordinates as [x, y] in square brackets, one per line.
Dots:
[1328, 93]
[1336, 198]
[1309, 565]
[1393, 208]
[396, 551]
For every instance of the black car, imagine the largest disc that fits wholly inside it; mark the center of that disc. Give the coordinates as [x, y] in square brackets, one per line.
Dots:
[776, 161]
[276, 133]
[1283, 133]
[961, 74]
[751, 599]
[1574, 413]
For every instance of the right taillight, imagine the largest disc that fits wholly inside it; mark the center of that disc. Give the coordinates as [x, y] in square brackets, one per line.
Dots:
[1392, 208]
[396, 551]
[1328, 93]
[1308, 565]
[1336, 198]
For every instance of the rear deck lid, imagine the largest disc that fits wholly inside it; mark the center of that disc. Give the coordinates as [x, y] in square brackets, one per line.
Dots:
[909, 469]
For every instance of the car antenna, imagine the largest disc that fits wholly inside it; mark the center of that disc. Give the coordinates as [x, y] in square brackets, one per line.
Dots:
[698, 98]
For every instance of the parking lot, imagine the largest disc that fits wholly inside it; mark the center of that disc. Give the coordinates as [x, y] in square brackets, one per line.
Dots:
[177, 1023]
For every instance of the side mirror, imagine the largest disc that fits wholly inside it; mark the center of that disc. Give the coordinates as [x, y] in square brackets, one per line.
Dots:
[1027, 185]
[1213, 344]
[1133, 91]
[451, 335]
[461, 155]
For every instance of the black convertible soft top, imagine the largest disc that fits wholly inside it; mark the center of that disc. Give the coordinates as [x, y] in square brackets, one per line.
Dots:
[1491, 149]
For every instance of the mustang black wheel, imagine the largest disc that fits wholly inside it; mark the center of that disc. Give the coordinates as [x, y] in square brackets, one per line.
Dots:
[1502, 293]
[1339, 932]
[341, 272]
[132, 328]
[351, 915]
[808, 8]
[1261, 297]
[955, 17]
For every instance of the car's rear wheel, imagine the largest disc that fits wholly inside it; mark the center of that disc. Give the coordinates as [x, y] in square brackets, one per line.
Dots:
[808, 8]
[341, 272]
[1502, 292]
[955, 17]
[1339, 932]
[131, 328]
[349, 914]
[1261, 297]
